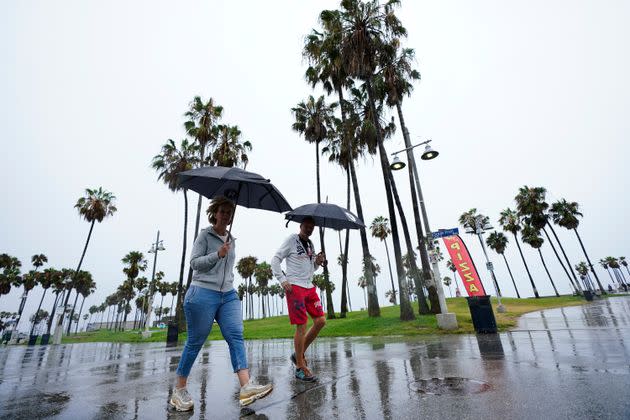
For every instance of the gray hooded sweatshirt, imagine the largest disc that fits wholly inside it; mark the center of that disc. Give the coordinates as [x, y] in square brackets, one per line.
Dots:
[209, 270]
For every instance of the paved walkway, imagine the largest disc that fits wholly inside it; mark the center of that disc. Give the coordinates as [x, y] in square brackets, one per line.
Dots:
[561, 363]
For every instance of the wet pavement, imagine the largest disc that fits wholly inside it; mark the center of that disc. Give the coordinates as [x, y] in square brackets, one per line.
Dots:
[561, 363]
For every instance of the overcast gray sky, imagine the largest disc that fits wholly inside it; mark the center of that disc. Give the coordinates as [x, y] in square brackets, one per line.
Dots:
[512, 93]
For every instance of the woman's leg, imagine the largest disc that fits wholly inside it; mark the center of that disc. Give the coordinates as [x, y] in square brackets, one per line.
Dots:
[230, 321]
[200, 306]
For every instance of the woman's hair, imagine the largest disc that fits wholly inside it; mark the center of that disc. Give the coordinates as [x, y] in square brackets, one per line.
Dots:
[214, 206]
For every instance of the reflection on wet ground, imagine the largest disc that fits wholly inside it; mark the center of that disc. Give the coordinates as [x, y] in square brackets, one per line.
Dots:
[559, 363]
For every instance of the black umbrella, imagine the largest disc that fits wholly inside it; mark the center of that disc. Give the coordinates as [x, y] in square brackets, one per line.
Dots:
[326, 215]
[244, 188]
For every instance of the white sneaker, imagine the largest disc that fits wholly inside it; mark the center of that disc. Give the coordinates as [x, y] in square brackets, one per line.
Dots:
[252, 392]
[181, 400]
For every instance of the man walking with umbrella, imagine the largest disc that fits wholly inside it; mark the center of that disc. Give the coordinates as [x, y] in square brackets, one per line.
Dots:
[302, 298]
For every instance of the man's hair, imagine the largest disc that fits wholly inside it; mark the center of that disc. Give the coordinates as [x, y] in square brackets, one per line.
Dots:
[308, 219]
[216, 204]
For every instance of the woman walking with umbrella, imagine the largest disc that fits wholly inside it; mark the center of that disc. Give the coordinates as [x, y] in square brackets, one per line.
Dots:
[211, 297]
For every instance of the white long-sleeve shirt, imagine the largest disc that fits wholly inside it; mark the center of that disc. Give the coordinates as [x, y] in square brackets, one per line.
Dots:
[300, 267]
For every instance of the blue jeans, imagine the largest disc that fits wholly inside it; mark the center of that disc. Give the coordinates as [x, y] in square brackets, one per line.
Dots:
[202, 306]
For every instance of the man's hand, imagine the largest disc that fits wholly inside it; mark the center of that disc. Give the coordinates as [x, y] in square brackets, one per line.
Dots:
[286, 286]
[321, 259]
[225, 248]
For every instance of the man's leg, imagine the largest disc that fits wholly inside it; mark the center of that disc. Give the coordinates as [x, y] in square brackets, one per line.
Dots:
[311, 335]
[299, 343]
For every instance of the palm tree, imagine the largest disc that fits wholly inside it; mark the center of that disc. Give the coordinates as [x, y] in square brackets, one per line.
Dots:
[263, 274]
[531, 236]
[201, 124]
[58, 284]
[622, 261]
[95, 206]
[471, 220]
[10, 273]
[134, 263]
[451, 266]
[498, 242]
[86, 287]
[616, 267]
[175, 288]
[45, 281]
[169, 163]
[29, 281]
[92, 310]
[322, 51]
[245, 268]
[510, 222]
[396, 77]
[582, 269]
[366, 29]
[37, 318]
[380, 229]
[447, 282]
[532, 207]
[565, 214]
[141, 284]
[314, 120]
[605, 263]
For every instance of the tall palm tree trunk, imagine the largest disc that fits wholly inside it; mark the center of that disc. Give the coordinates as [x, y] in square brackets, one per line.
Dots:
[622, 275]
[424, 259]
[197, 217]
[553, 231]
[344, 261]
[389, 266]
[37, 312]
[80, 310]
[531, 280]
[511, 276]
[330, 310]
[601, 288]
[372, 306]
[72, 313]
[573, 287]
[52, 314]
[610, 275]
[426, 270]
[549, 275]
[60, 322]
[406, 311]
[179, 311]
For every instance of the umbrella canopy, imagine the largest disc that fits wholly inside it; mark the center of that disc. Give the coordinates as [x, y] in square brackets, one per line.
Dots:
[326, 215]
[244, 188]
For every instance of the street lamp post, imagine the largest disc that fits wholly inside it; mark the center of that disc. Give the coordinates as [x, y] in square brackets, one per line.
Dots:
[155, 247]
[480, 228]
[445, 319]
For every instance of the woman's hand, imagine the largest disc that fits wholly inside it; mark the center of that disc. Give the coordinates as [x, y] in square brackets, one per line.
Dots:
[225, 248]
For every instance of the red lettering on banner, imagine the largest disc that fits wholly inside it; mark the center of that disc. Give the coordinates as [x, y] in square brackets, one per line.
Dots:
[465, 267]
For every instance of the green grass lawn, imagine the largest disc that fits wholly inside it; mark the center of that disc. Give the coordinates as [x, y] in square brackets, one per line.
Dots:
[356, 323]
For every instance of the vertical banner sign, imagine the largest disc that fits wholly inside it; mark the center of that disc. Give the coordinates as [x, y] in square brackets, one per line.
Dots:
[465, 267]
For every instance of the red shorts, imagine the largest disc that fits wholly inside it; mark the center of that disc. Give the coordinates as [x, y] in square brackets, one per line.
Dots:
[302, 300]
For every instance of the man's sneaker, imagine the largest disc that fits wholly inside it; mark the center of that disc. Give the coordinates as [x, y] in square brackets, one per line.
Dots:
[181, 400]
[252, 392]
[304, 375]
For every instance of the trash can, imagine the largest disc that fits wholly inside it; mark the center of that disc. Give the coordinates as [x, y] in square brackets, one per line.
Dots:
[32, 339]
[588, 295]
[171, 334]
[45, 338]
[482, 314]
